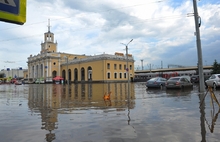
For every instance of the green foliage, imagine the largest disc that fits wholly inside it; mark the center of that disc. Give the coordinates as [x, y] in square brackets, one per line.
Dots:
[216, 68]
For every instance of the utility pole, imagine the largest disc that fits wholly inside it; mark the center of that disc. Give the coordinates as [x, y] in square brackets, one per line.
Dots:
[142, 64]
[199, 50]
[67, 72]
[127, 69]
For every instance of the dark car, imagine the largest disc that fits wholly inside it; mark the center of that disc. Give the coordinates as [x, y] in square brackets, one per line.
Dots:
[179, 82]
[156, 82]
[194, 78]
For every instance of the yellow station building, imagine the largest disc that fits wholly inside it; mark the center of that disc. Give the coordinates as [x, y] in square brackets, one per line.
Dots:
[76, 68]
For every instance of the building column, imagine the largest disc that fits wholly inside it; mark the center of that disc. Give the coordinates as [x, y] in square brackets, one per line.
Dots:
[43, 69]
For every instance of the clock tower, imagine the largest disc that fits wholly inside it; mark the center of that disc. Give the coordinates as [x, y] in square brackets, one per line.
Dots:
[48, 46]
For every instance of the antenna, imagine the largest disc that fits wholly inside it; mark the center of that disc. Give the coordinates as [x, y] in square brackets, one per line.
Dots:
[48, 25]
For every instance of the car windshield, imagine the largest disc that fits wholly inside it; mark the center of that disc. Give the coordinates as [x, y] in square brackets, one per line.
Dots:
[174, 78]
[218, 76]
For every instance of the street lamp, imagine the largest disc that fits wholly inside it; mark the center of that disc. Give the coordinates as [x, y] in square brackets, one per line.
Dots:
[127, 69]
[67, 70]
[199, 49]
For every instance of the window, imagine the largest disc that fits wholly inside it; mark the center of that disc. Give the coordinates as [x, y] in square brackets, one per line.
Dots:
[115, 66]
[120, 66]
[115, 75]
[120, 75]
[109, 75]
[108, 65]
[124, 67]
[125, 75]
[130, 67]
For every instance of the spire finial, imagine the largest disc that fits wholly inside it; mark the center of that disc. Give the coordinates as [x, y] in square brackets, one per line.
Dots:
[48, 25]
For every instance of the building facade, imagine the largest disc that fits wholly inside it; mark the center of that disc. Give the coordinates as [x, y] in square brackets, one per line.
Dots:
[12, 73]
[76, 68]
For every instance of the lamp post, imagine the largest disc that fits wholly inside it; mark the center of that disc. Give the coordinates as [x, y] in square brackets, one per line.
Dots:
[199, 50]
[127, 69]
[67, 70]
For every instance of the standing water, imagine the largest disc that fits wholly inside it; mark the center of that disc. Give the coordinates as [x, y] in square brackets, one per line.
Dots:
[102, 112]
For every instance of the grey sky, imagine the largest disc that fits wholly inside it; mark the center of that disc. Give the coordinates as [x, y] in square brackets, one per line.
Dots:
[161, 31]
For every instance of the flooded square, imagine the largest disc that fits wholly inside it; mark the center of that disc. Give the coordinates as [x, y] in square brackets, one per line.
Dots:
[85, 113]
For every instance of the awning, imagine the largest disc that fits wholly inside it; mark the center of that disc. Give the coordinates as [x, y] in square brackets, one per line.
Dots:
[57, 78]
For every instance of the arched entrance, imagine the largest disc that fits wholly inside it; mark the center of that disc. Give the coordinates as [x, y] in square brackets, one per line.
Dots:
[82, 74]
[75, 75]
[54, 74]
[89, 73]
[69, 75]
[64, 75]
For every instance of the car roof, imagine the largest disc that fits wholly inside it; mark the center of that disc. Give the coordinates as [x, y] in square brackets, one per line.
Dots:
[181, 77]
[176, 77]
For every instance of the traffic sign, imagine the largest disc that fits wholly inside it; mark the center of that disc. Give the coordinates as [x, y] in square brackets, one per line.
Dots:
[13, 11]
[10, 6]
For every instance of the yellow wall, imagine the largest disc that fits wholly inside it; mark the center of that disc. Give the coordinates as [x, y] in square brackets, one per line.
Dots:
[100, 70]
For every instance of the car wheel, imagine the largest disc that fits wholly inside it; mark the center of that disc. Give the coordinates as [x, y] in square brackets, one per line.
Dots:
[206, 86]
[214, 85]
[182, 87]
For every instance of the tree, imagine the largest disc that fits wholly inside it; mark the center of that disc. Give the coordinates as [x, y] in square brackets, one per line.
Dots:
[215, 67]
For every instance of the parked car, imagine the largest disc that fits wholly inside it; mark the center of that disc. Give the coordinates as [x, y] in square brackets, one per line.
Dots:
[156, 82]
[213, 81]
[179, 82]
[13, 80]
[194, 78]
[18, 82]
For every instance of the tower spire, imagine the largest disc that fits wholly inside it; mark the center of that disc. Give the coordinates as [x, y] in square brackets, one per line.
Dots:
[48, 25]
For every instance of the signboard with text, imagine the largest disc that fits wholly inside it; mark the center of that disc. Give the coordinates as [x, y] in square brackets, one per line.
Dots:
[13, 11]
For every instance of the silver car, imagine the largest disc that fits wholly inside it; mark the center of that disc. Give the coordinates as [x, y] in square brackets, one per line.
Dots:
[156, 82]
[179, 82]
[213, 81]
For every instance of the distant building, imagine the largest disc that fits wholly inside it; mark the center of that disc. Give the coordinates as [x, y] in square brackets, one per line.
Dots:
[77, 68]
[12, 73]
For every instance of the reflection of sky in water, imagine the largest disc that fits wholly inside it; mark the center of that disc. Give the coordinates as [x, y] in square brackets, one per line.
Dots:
[156, 115]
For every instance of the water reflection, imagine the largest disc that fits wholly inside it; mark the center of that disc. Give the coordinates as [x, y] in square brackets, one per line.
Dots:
[214, 116]
[50, 100]
[79, 112]
[202, 118]
[178, 92]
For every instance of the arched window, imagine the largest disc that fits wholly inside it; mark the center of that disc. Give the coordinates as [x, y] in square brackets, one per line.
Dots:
[89, 73]
[82, 74]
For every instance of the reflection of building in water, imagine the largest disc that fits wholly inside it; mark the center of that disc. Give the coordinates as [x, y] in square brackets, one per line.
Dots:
[43, 99]
[50, 97]
[86, 94]
[46, 99]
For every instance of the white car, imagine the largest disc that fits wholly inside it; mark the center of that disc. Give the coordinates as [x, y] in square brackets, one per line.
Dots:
[213, 81]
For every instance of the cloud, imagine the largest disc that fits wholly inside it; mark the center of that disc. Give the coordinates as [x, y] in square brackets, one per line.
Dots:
[161, 30]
